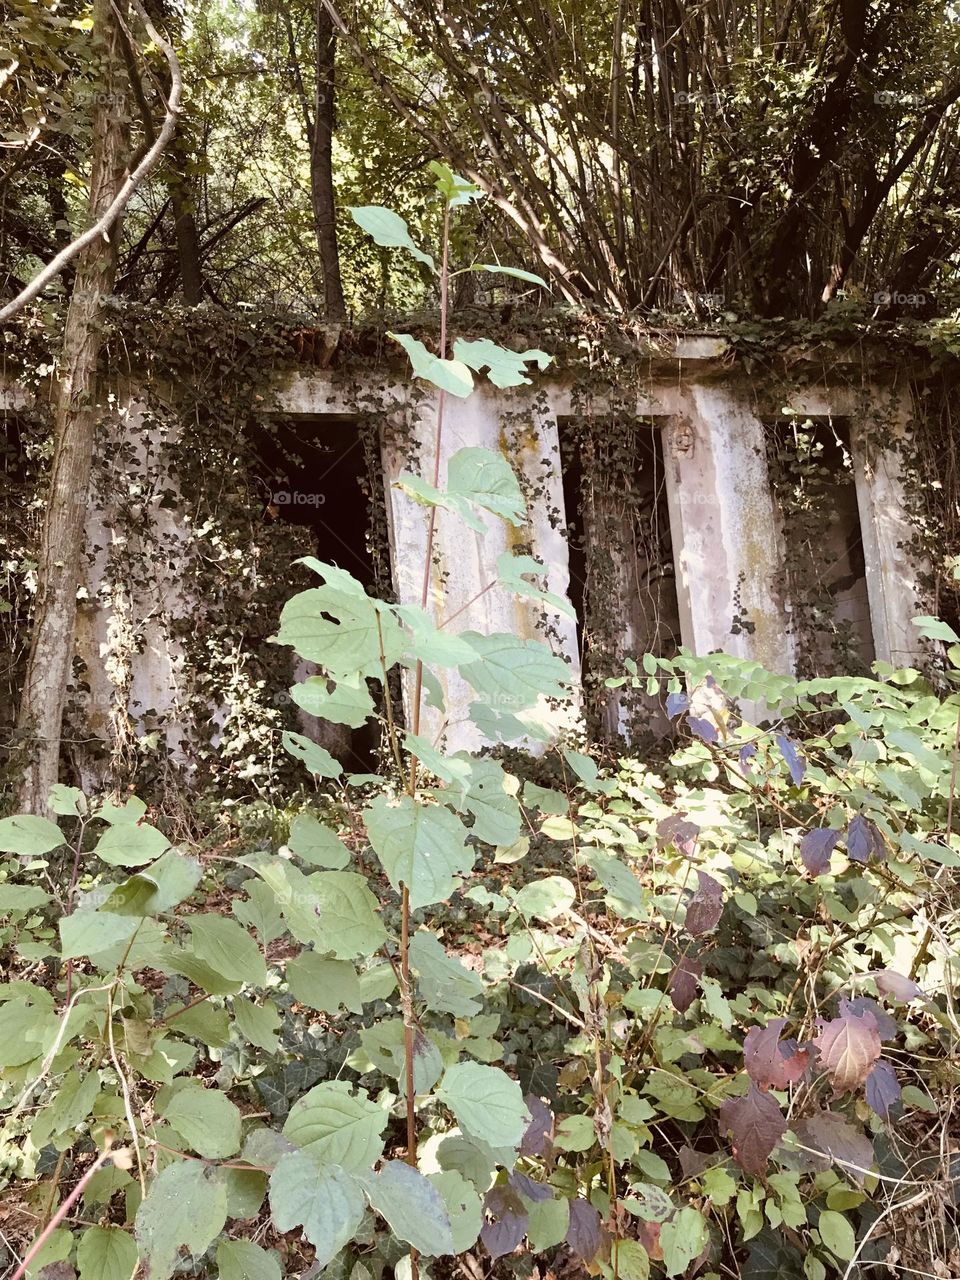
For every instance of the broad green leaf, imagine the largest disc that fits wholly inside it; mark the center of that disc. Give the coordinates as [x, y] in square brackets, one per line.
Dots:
[516, 273]
[507, 368]
[934, 629]
[71, 1105]
[628, 1261]
[389, 230]
[317, 759]
[837, 1234]
[293, 894]
[227, 948]
[682, 1239]
[338, 628]
[131, 845]
[344, 704]
[382, 1049]
[513, 674]
[412, 1206]
[486, 479]
[349, 916]
[464, 1207]
[206, 1119]
[127, 814]
[489, 793]
[69, 802]
[29, 836]
[449, 375]
[106, 1253]
[307, 1190]
[420, 846]
[246, 1188]
[546, 899]
[184, 961]
[325, 985]
[21, 898]
[514, 572]
[487, 1103]
[183, 1207]
[446, 985]
[431, 644]
[259, 911]
[258, 1023]
[340, 1127]
[57, 1248]
[548, 1223]
[316, 843]
[87, 933]
[454, 189]
[244, 1260]
[202, 1022]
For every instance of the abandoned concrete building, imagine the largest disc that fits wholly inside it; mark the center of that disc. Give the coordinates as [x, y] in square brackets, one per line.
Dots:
[673, 528]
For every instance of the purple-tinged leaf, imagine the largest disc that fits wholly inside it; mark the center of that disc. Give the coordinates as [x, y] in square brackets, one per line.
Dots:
[795, 761]
[678, 831]
[746, 755]
[816, 848]
[539, 1131]
[773, 1063]
[896, 985]
[530, 1190]
[705, 730]
[882, 1089]
[677, 703]
[583, 1233]
[684, 982]
[693, 1163]
[886, 1026]
[506, 1223]
[756, 1125]
[864, 840]
[848, 1047]
[706, 906]
[833, 1138]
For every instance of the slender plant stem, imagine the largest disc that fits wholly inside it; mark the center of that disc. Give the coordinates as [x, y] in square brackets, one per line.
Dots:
[58, 1217]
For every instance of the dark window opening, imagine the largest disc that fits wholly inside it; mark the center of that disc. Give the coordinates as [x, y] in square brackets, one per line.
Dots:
[622, 572]
[316, 476]
[812, 473]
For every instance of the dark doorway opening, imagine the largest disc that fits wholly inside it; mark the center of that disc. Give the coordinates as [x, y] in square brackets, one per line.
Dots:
[317, 476]
[622, 573]
[811, 468]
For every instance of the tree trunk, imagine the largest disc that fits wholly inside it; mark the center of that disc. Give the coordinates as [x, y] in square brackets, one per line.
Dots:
[75, 416]
[181, 189]
[321, 166]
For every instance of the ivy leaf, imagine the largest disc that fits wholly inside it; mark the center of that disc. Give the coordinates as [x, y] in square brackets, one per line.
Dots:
[864, 840]
[106, 1253]
[834, 1138]
[848, 1046]
[816, 847]
[683, 1239]
[452, 376]
[412, 1206]
[131, 845]
[337, 1125]
[583, 1234]
[506, 1222]
[307, 1190]
[507, 368]
[244, 1260]
[182, 1207]
[29, 836]
[227, 948]
[420, 846]
[705, 907]
[770, 1062]
[388, 230]
[206, 1119]
[315, 843]
[316, 759]
[795, 761]
[882, 1090]
[487, 1103]
[756, 1125]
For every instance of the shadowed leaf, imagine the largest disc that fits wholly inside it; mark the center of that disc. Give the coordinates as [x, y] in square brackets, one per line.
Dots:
[706, 906]
[834, 1138]
[882, 1089]
[756, 1124]
[770, 1062]
[816, 847]
[506, 1221]
[848, 1046]
[583, 1234]
[684, 983]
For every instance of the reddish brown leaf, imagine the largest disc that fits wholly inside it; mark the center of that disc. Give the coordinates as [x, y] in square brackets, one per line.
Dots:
[678, 831]
[773, 1063]
[896, 985]
[882, 1089]
[864, 840]
[706, 906]
[648, 1233]
[756, 1125]
[834, 1138]
[848, 1047]
[886, 1026]
[684, 982]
